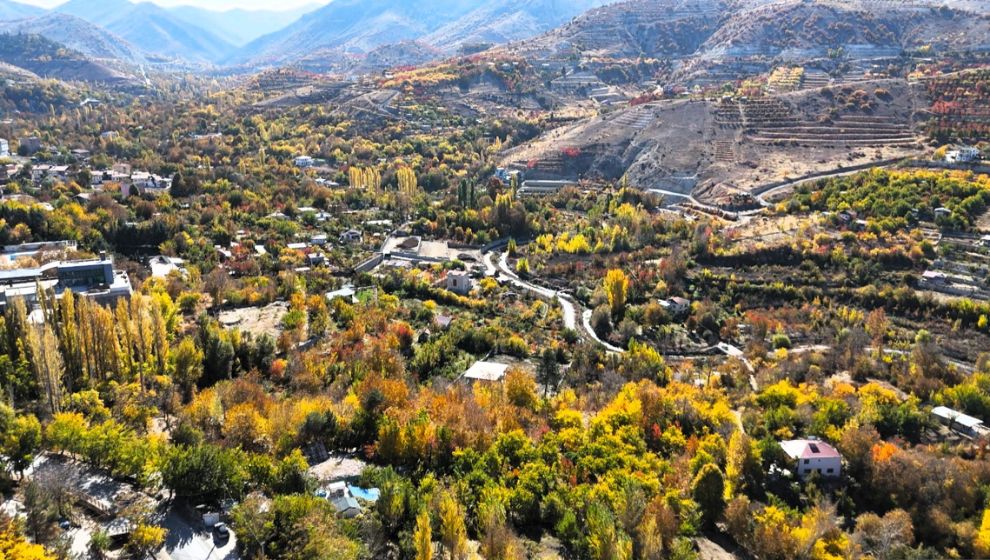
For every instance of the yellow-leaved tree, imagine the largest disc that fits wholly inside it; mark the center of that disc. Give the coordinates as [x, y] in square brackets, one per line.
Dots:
[616, 286]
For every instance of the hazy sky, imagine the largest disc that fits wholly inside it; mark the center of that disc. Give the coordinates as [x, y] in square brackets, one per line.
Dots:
[211, 4]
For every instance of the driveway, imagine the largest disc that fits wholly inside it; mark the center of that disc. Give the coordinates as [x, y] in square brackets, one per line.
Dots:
[185, 541]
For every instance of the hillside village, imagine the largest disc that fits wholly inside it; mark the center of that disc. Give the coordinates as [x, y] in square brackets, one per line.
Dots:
[654, 279]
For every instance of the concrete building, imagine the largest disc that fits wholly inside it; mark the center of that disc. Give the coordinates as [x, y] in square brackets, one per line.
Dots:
[4, 148]
[94, 278]
[813, 456]
[459, 282]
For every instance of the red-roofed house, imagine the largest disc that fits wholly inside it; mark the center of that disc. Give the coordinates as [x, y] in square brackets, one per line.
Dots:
[812, 455]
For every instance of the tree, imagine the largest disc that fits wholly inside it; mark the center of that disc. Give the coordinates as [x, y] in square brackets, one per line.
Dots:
[187, 365]
[453, 534]
[145, 539]
[548, 370]
[21, 441]
[708, 490]
[616, 286]
[46, 358]
[885, 537]
[204, 473]
[743, 469]
[13, 545]
[423, 536]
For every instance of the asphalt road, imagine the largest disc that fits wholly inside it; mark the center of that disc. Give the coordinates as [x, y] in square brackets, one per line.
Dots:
[185, 542]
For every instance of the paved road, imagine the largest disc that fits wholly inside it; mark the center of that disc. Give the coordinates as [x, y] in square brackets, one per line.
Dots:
[762, 193]
[186, 542]
[568, 306]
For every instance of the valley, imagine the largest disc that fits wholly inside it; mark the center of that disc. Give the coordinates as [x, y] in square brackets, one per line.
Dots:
[509, 280]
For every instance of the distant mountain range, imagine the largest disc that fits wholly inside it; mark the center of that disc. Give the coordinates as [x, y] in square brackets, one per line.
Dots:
[363, 25]
[355, 35]
[139, 32]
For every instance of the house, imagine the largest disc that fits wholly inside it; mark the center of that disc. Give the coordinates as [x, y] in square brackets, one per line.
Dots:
[4, 148]
[485, 371]
[110, 135]
[342, 500]
[319, 239]
[151, 183]
[942, 212]
[459, 282]
[962, 154]
[676, 306]
[303, 161]
[350, 236]
[161, 266]
[813, 456]
[985, 241]
[960, 423]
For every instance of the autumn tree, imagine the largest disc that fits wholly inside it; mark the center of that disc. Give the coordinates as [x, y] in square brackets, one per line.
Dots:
[423, 536]
[888, 536]
[453, 533]
[616, 286]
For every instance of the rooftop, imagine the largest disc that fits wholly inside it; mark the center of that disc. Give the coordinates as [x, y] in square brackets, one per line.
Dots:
[809, 449]
[486, 371]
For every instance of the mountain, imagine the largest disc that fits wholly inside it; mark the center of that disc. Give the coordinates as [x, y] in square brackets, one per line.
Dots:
[503, 21]
[49, 59]
[721, 40]
[239, 27]
[15, 10]
[77, 34]
[155, 29]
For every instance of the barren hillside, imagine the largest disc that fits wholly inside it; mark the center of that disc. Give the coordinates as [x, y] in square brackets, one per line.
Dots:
[714, 148]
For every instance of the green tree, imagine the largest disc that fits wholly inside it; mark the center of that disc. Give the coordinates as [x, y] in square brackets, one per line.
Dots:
[708, 490]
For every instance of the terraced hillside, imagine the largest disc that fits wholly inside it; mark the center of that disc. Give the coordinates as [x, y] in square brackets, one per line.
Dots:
[719, 147]
[960, 106]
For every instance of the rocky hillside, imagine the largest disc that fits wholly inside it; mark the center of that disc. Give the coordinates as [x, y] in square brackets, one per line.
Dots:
[153, 28]
[77, 34]
[48, 59]
[696, 29]
[715, 148]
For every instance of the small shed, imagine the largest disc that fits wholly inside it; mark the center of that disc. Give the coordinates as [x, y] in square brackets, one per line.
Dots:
[959, 422]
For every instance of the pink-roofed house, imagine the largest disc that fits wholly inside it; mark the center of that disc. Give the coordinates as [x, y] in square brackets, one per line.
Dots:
[812, 455]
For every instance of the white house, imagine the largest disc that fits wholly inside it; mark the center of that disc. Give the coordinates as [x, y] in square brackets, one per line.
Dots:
[676, 305]
[813, 456]
[459, 282]
[4, 148]
[962, 154]
[303, 161]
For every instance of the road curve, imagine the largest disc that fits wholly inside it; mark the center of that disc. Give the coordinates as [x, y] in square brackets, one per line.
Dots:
[568, 306]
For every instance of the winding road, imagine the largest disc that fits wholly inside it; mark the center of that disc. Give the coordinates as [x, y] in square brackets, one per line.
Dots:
[568, 306]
